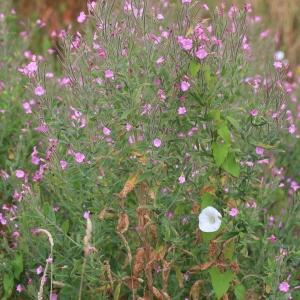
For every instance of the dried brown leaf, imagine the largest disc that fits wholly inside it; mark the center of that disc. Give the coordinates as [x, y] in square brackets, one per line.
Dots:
[202, 267]
[195, 290]
[196, 208]
[138, 262]
[106, 213]
[123, 223]
[132, 282]
[208, 189]
[165, 273]
[129, 186]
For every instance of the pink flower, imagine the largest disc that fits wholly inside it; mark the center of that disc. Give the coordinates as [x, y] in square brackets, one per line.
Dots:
[205, 6]
[185, 44]
[160, 60]
[201, 53]
[254, 112]
[39, 270]
[106, 131]
[186, 1]
[27, 108]
[42, 127]
[272, 238]
[101, 53]
[86, 214]
[82, 17]
[20, 174]
[79, 157]
[181, 179]
[233, 212]
[19, 288]
[53, 296]
[131, 139]
[128, 127]
[157, 143]
[284, 287]
[292, 129]
[3, 221]
[160, 17]
[259, 151]
[63, 164]
[34, 156]
[91, 6]
[39, 91]
[109, 74]
[185, 85]
[277, 64]
[181, 110]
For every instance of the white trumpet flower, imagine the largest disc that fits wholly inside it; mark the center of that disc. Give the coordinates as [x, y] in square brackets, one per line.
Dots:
[210, 219]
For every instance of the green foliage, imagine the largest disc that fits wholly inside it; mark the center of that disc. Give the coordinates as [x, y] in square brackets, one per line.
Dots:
[220, 281]
[122, 215]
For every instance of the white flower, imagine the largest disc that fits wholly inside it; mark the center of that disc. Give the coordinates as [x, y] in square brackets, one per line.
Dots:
[210, 219]
[279, 55]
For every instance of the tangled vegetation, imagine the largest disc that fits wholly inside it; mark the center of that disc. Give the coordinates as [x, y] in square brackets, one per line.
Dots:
[161, 162]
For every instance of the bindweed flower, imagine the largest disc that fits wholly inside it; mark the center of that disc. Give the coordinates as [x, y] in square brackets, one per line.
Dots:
[210, 219]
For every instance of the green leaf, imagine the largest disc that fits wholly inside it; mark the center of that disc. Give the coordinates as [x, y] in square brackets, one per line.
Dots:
[206, 200]
[229, 250]
[214, 115]
[65, 226]
[220, 281]
[220, 152]
[117, 291]
[224, 133]
[166, 228]
[208, 236]
[233, 122]
[240, 292]
[231, 166]
[194, 68]
[8, 284]
[17, 266]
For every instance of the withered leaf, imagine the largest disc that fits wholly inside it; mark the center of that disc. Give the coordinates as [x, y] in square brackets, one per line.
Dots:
[129, 186]
[106, 213]
[202, 267]
[139, 262]
[132, 282]
[195, 290]
[208, 189]
[123, 223]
